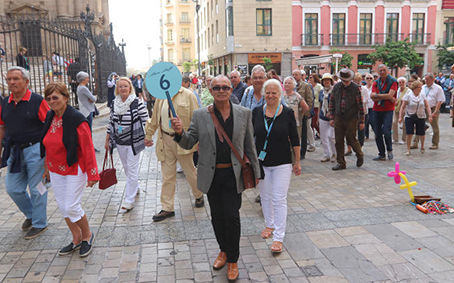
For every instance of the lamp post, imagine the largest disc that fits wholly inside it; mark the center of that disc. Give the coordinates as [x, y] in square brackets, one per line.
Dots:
[197, 8]
[149, 55]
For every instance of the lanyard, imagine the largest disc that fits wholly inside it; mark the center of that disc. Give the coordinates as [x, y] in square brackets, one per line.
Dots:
[427, 91]
[268, 129]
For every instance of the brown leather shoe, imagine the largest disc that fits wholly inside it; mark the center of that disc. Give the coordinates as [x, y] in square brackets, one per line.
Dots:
[232, 271]
[220, 261]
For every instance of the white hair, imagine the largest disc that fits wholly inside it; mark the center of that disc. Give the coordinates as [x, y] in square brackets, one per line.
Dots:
[272, 82]
[402, 79]
[258, 68]
[292, 79]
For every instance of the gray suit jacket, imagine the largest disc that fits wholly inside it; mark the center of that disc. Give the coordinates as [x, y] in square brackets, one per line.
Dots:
[202, 130]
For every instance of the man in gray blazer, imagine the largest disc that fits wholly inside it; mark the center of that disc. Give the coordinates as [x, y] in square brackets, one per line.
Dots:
[219, 171]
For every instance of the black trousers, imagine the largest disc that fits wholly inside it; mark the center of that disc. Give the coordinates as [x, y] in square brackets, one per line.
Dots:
[304, 130]
[225, 204]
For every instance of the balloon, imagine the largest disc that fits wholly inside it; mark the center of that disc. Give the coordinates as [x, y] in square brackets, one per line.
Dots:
[408, 186]
[396, 174]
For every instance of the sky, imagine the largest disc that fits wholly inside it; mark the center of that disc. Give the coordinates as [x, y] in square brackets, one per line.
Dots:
[137, 22]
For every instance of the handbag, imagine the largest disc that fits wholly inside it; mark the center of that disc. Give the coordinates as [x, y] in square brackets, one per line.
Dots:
[414, 117]
[108, 176]
[246, 167]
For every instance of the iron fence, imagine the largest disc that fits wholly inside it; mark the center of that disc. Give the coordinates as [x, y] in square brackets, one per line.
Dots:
[56, 51]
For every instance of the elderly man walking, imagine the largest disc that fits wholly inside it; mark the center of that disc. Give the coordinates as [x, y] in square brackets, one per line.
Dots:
[346, 111]
[219, 172]
[435, 96]
[384, 92]
[185, 102]
[237, 85]
[22, 121]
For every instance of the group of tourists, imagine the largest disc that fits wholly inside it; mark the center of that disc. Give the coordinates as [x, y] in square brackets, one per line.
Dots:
[272, 123]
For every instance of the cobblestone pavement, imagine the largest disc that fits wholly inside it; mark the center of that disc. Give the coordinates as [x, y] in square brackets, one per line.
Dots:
[354, 225]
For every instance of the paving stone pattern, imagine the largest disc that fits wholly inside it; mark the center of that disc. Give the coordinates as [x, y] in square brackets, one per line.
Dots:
[354, 225]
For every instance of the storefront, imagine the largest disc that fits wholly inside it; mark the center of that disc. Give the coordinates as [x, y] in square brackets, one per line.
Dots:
[258, 58]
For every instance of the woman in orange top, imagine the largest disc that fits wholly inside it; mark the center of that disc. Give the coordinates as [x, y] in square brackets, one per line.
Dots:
[70, 161]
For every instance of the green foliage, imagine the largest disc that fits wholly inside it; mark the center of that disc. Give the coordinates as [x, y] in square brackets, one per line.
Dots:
[267, 64]
[396, 54]
[347, 58]
[445, 57]
[210, 60]
[186, 67]
[194, 63]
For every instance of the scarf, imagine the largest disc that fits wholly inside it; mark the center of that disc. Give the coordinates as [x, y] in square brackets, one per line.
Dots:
[120, 107]
[326, 93]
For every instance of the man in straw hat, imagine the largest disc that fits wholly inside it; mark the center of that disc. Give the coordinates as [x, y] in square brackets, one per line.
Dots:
[346, 111]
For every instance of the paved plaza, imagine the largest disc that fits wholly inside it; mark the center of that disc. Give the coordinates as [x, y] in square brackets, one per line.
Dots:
[354, 225]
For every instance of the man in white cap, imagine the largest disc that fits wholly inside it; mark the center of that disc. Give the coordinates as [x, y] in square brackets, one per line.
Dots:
[346, 111]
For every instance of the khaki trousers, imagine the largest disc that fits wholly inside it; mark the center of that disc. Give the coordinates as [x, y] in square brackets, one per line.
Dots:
[169, 173]
[435, 129]
[396, 128]
[346, 130]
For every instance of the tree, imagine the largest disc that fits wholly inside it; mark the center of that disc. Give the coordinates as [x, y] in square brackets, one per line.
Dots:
[396, 54]
[445, 57]
[346, 58]
[267, 64]
[186, 67]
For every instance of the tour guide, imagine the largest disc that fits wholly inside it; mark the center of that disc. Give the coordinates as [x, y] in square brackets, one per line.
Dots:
[219, 172]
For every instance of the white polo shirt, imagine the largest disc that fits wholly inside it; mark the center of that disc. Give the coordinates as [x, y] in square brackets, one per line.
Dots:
[434, 94]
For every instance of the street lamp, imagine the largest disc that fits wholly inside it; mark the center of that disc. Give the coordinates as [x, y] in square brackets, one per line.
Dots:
[197, 8]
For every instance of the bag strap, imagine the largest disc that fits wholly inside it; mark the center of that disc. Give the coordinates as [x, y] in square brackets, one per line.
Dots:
[106, 160]
[223, 135]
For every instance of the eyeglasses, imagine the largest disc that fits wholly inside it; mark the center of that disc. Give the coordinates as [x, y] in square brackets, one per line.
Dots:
[258, 78]
[54, 97]
[218, 88]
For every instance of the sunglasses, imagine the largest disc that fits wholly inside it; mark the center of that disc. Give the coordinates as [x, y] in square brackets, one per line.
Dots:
[369, 78]
[49, 98]
[218, 88]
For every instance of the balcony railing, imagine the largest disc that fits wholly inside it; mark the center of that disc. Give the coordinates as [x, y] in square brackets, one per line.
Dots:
[185, 21]
[312, 39]
[169, 23]
[185, 40]
[419, 38]
[170, 42]
[362, 39]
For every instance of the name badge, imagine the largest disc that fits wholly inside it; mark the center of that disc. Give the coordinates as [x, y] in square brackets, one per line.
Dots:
[262, 155]
[120, 129]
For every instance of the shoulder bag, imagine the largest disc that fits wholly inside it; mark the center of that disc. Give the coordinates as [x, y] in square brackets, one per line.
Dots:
[108, 176]
[246, 167]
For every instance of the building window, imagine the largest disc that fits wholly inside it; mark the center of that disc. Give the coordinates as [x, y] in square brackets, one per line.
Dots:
[311, 29]
[169, 35]
[365, 28]
[208, 38]
[418, 28]
[392, 26]
[449, 36]
[217, 32]
[264, 22]
[212, 34]
[184, 17]
[184, 34]
[169, 19]
[170, 55]
[364, 62]
[229, 22]
[338, 36]
[186, 54]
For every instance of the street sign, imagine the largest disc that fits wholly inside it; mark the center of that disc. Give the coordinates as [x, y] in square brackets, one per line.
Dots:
[163, 81]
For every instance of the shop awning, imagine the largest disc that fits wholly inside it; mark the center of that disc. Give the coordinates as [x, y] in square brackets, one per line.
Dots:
[315, 60]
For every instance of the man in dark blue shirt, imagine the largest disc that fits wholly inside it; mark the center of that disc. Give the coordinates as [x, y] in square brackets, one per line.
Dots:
[237, 85]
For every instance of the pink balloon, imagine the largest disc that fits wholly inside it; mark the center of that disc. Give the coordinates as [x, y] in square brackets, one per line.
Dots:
[395, 173]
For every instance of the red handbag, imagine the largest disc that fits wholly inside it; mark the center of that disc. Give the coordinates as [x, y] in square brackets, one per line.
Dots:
[108, 176]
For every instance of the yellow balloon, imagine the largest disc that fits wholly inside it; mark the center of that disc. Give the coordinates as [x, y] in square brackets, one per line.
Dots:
[408, 186]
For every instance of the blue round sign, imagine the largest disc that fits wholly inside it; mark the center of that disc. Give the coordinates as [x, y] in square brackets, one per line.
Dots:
[163, 80]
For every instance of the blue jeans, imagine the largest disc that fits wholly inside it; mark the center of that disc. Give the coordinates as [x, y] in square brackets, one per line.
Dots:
[382, 122]
[90, 120]
[32, 205]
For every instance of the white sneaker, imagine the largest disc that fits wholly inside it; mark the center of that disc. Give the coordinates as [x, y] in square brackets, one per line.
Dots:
[401, 142]
[127, 206]
[179, 169]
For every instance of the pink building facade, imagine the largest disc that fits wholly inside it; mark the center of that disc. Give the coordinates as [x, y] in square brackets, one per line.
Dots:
[357, 26]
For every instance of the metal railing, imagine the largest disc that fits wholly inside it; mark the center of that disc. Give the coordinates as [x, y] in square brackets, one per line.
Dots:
[312, 39]
[57, 50]
[362, 39]
[419, 38]
[185, 21]
[185, 40]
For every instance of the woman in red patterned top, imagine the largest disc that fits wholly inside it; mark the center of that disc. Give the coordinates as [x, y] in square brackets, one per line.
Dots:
[70, 162]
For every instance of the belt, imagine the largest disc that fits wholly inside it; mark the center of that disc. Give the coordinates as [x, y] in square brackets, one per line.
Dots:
[172, 134]
[25, 145]
[223, 166]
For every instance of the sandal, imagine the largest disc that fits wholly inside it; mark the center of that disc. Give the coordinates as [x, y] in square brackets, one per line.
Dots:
[276, 247]
[266, 233]
[422, 150]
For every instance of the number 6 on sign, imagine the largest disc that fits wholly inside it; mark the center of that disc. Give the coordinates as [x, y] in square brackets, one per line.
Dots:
[163, 81]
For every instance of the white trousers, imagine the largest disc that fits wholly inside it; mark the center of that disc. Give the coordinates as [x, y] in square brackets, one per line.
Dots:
[327, 138]
[68, 191]
[273, 191]
[310, 133]
[131, 167]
